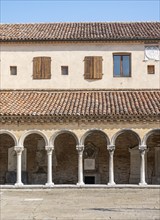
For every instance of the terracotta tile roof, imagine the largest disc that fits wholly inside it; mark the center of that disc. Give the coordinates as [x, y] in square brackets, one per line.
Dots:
[78, 105]
[80, 31]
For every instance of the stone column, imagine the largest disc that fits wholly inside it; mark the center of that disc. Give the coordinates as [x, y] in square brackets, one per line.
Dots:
[19, 150]
[80, 149]
[111, 149]
[49, 150]
[142, 149]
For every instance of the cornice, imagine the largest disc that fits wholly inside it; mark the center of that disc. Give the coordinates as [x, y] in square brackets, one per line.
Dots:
[23, 119]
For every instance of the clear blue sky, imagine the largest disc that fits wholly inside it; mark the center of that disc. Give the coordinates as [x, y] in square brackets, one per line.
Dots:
[31, 11]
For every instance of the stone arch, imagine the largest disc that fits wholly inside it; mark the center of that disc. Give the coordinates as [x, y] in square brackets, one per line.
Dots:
[55, 135]
[115, 136]
[65, 157]
[126, 156]
[35, 160]
[7, 157]
[91, 131]
[152, 141]
[146, 136]
[95, 156]
[34, 131]
[11, 135]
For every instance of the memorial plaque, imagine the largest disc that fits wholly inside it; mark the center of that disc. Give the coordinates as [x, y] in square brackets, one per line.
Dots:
[89, 164]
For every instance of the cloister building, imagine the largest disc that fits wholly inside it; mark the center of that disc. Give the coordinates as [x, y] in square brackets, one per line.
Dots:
[80, 104]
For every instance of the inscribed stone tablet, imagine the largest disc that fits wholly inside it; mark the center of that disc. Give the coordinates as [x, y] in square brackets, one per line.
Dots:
[89, 164]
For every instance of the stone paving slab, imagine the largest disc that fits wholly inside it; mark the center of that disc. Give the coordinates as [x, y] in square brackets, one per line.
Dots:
[80, 204]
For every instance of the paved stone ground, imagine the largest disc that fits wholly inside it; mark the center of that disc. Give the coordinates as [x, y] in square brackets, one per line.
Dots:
[80, 204]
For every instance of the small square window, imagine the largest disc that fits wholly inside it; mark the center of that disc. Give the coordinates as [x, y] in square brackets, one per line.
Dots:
[64, 70]
[13, 70]
[150, 69]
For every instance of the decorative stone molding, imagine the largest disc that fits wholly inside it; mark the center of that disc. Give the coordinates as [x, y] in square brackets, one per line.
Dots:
[49, 149]
[18, 149]
[80, 148]
[111, 148]
[143, 148]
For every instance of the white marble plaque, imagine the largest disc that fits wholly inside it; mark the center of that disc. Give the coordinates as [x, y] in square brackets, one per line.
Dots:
[89, 164]
[152, 53]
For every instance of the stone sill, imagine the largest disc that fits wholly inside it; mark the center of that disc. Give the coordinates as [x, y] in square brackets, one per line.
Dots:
[59, 186]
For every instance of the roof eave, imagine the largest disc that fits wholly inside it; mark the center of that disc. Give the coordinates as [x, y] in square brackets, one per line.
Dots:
[80, 40]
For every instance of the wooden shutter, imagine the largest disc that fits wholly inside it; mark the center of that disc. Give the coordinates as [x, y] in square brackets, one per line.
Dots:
[97, 67]
[41, 68]
[88, 67]
[37, 68]
[46, 67]
[93, 67]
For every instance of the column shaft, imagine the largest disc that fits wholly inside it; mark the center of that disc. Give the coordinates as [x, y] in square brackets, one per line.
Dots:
[80, 165]
[19, 165]
[111, 166]
[49, 168]
[142, 167]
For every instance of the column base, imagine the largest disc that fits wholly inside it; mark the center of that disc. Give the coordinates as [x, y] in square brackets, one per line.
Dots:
[111, 184]
[49, 184]
[81, 184]
[143, 184]
[18, 184]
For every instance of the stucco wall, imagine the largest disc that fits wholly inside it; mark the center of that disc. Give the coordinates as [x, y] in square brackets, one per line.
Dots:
[72, 55]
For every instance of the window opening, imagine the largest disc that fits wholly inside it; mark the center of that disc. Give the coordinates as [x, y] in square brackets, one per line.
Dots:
[122, 65]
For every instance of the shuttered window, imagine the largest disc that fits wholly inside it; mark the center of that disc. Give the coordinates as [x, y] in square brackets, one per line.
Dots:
[93, 67]
[41, 68]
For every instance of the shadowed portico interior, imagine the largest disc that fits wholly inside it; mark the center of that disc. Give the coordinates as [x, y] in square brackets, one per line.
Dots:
[97, 155]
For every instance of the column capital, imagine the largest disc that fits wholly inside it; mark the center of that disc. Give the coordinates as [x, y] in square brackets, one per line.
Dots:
[18, 149]
[142, 147]
[49, 148]
[111, 147]
[80, 148]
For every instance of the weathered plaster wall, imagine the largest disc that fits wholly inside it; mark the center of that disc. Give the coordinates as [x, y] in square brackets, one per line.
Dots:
[72, 55]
